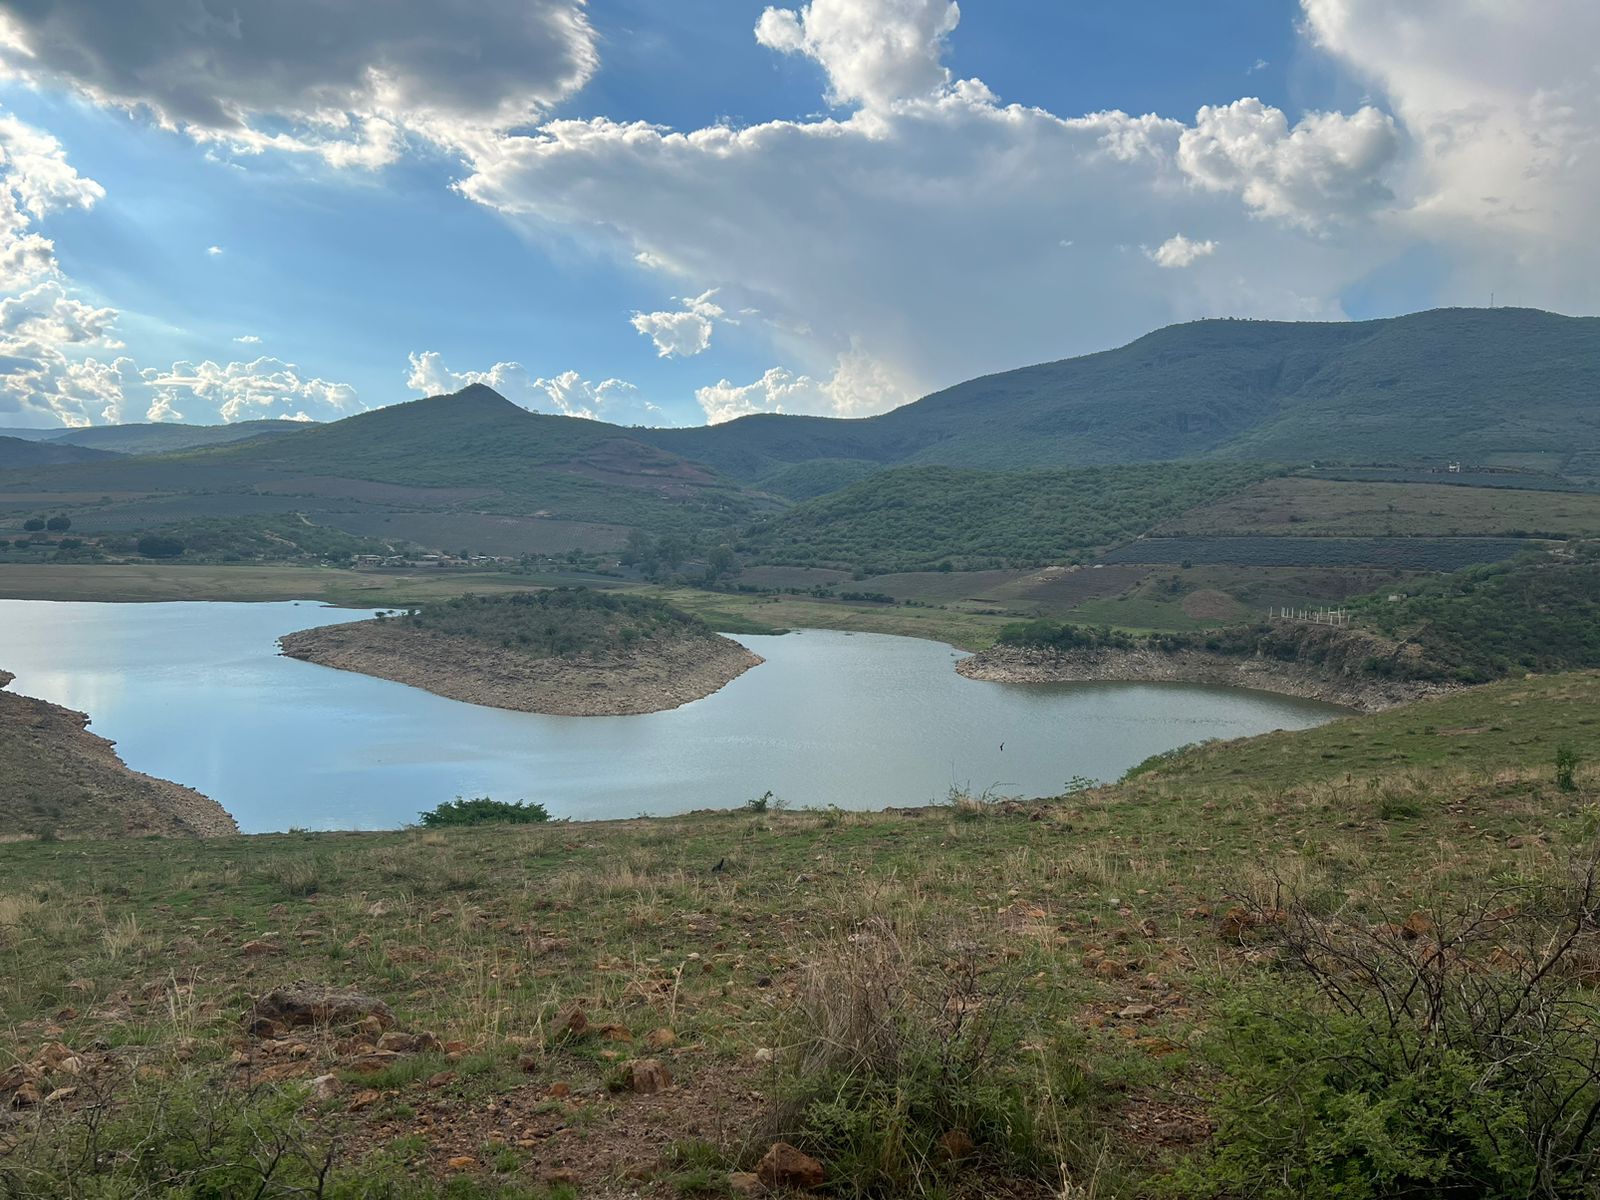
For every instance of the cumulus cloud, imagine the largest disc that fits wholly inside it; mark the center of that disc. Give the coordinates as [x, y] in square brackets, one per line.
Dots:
[925, 235]
[248, 339]
[1179, 251]
[1502, 103]
[685, 332]
[568, 394]
[250, 391]
[1328, 167]
[873, 51]
[348, 81]
[859, 386]
[213, 251]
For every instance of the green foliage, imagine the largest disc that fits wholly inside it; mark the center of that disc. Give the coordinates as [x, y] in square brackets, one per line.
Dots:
[559, 622]
[918, 518]
[270, 538]
[1408, 553]
[58, 524]
[1062, 636]
[483, 811]
[1566, 768]
[1535, 614]
[33, 524]
[1452, 1056]
[154, 545]
[808, 480]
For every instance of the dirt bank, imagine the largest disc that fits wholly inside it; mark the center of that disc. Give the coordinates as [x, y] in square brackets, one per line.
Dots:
[1009, 664]
[653, 676]
[61, 780]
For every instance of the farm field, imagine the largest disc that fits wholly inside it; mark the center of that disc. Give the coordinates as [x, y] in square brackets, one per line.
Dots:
[1520, 480]
[1321, 507]
[1411, 554]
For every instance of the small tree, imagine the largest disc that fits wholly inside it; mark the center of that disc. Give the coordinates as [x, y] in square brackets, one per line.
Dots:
[33, 524]
[1566, 768]
[153, 545]
[58, 524]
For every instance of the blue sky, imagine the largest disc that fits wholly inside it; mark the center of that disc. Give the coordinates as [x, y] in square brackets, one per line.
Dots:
[855, 218]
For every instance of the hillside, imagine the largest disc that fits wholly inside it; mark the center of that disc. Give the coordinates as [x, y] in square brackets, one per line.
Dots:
[1494, 387]
[63, 781]
[1121, 992]
[20, 454]
[915, 518]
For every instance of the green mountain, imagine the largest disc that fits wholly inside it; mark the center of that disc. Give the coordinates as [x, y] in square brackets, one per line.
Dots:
[18, 453]
[1501, 386]
[171, 439]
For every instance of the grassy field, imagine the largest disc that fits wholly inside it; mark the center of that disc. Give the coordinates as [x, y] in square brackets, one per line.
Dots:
[1512, 725]
[1300, 507]
[989, 998]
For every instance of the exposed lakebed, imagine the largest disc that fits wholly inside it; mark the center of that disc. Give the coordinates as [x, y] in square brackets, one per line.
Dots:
[197, 693]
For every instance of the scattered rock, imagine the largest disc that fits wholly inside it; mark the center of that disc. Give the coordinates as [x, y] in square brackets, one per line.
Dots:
[1110, 968]
[60, 1094]
[560, 1175]
[25, 1096]
[559, 1091]
[408, 1043]
[1416, 925]
[260, 948]
[784, 1166]
[647, 1076]
[462, 1162]
[616, 1033]
[660, 1039]
[315, 1004]
[1137, 1012]
[764, 1055]
[745, 1183]
[572, 1022]
[1236, 922]
[326, 1087]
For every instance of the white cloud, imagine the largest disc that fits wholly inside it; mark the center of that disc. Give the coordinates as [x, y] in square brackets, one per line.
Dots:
[213, 251]
[567, 394]
[873, 51]
[1328, 167]
[161, 409]
[248, 339]
[1179, 251]
[1502, 105]
[859, 387]
[264, 388]
[924, 234]
[684, 333]
[347, 81]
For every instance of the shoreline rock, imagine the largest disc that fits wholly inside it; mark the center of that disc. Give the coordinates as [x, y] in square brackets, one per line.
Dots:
[49, 752]
[653, 676]
[1015, 664]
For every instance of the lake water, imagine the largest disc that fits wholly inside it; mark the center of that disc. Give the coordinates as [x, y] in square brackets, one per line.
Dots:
[198, 693]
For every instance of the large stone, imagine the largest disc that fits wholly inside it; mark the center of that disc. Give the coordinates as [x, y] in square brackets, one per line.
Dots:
[783, 1166]
[647, 1076]
[316, 1004]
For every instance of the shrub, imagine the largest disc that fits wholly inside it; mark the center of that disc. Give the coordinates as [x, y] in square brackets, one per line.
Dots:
[1450, 1055]
[484, 811]
[154, 545]
[1566, 767]
[33, 524]
[58, 524]
[901, 1043]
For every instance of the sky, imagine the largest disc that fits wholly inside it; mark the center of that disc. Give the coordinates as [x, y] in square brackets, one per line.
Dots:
[668, 214]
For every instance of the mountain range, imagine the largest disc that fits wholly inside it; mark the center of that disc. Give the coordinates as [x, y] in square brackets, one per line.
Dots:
[1507, 388]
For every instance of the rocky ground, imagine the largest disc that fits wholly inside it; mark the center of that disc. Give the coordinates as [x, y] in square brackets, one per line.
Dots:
[652, 676]
[58, 779]
[1014, 664]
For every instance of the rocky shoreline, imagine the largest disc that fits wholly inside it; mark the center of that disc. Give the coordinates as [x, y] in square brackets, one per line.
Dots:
[1012, 664]
[77, 786]
[653, 676]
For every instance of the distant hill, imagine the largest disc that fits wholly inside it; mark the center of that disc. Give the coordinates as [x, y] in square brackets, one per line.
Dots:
[1511, 387]
[171, 439]
[524, 463]
[17, 454]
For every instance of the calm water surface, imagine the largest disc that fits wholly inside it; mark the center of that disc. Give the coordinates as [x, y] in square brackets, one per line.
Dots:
[198, 693]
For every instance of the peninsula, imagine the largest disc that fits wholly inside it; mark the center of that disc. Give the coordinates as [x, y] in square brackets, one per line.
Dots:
[571, 652]
[63, 781]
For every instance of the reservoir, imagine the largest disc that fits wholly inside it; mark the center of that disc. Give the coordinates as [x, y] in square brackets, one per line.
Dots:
[197, 693]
